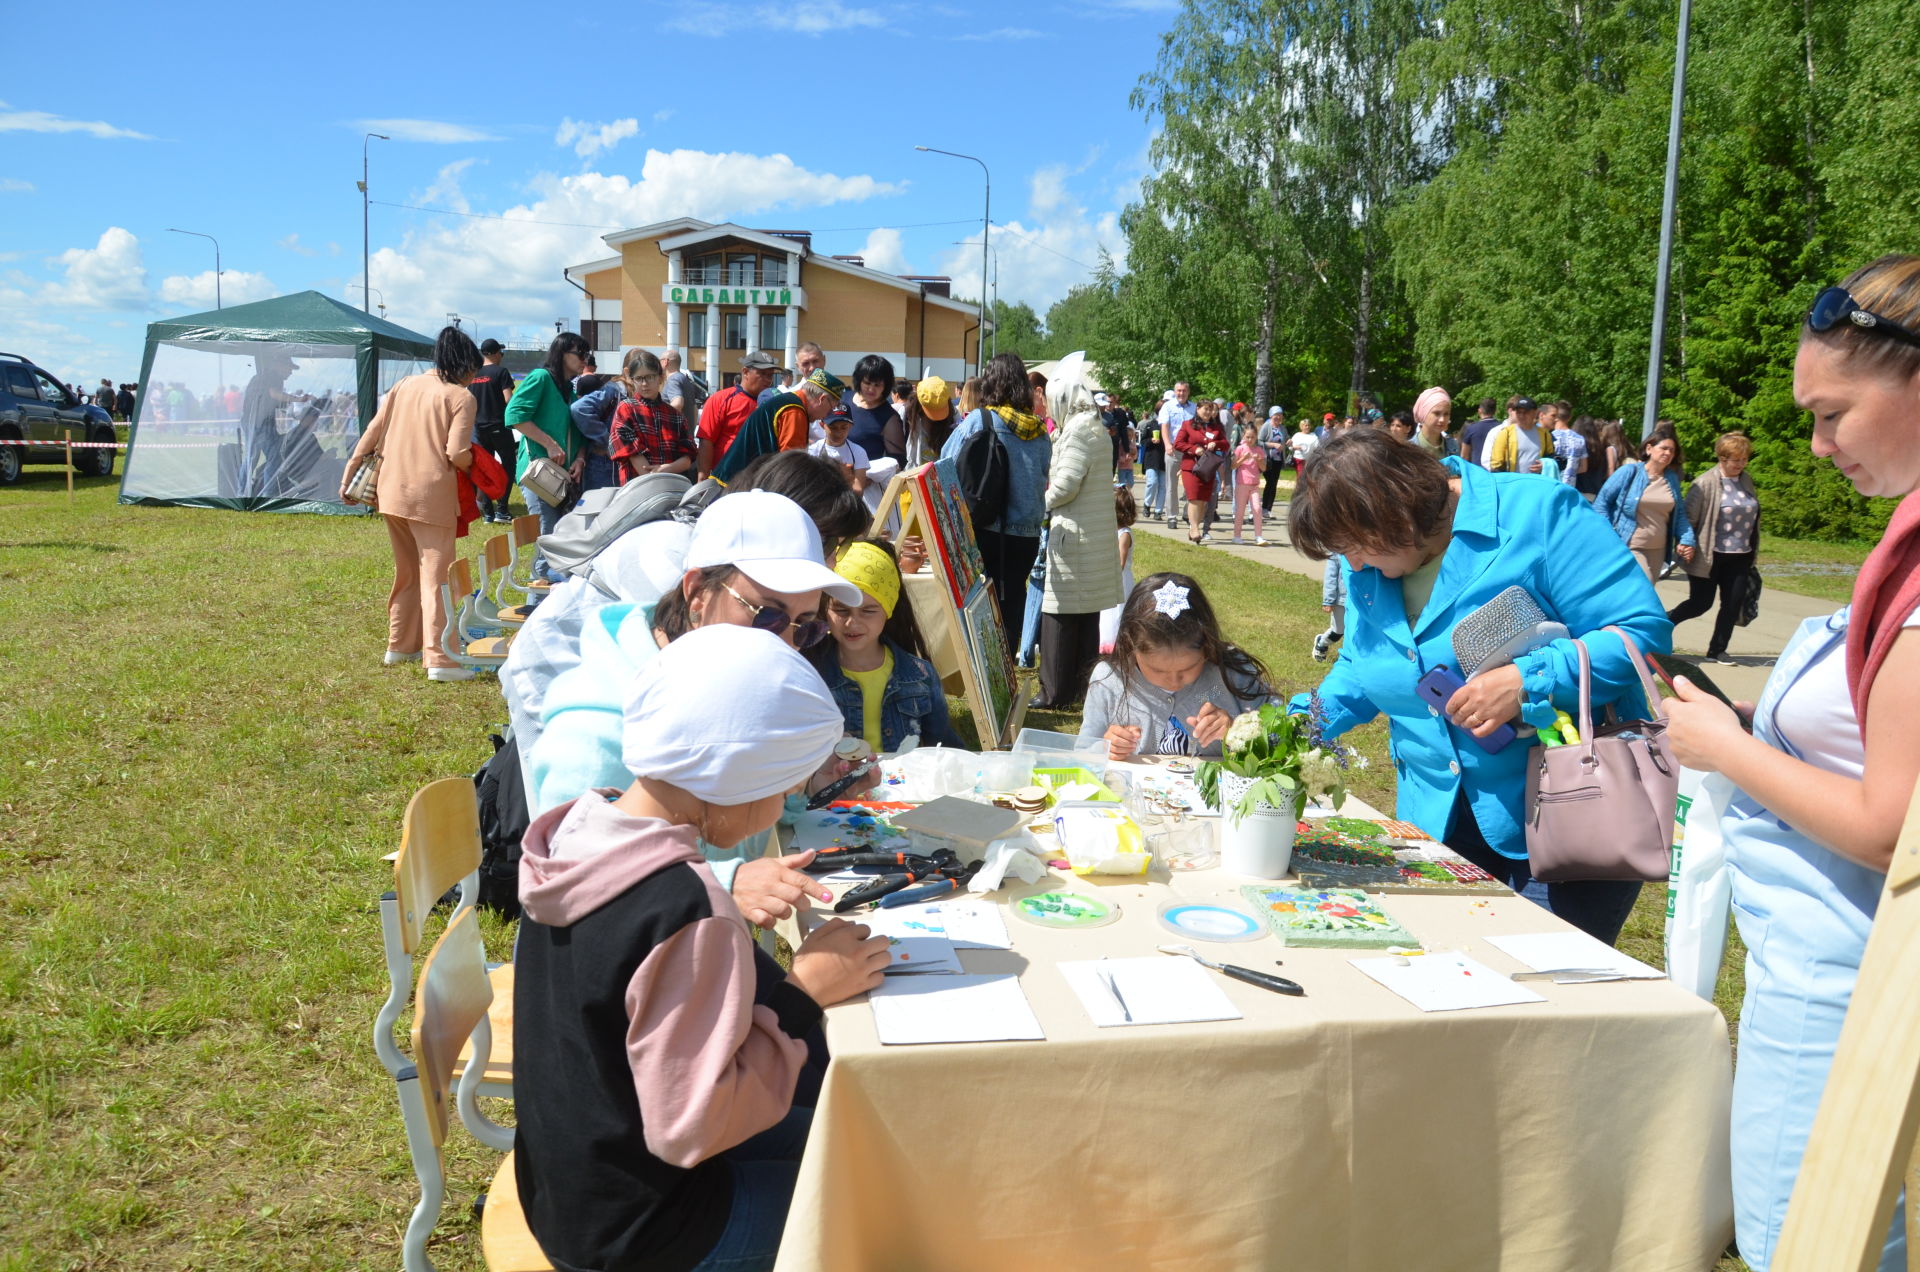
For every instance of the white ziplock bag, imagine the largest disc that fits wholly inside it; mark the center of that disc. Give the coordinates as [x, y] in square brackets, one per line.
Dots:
[1699, 890]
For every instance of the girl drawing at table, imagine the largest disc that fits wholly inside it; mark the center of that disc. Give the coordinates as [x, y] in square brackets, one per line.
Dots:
[1173, 683]
[656, 1049]
[875, 665]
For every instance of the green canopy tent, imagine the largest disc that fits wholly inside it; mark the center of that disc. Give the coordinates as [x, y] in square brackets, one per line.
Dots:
[257, 407]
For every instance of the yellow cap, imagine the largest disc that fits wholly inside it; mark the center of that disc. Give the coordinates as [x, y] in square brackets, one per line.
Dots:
[873, 572]
[936, 397]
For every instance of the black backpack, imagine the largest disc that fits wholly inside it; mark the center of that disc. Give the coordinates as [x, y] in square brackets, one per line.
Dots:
[984, 471]
[502, 796]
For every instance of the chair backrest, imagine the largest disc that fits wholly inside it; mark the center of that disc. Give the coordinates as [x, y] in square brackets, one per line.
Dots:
[525, 530]
[458, 595]
[453, 998]
[439, 846]
[496, 562]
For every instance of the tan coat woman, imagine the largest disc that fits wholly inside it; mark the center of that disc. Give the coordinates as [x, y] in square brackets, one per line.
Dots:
[423, 433]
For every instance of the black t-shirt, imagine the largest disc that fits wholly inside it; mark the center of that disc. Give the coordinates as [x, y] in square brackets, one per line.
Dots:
[1475, 436]
[491, 389]
[1153, 444]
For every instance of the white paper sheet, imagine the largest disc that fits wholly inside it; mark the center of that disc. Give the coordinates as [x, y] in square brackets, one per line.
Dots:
[1551, 951]
[828, 828]
[911, 1010]
[970, 925]
[923, 955]
[1158, 991]
[1445, 982]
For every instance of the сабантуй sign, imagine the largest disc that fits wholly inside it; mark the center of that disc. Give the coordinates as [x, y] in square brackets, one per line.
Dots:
[677, 294]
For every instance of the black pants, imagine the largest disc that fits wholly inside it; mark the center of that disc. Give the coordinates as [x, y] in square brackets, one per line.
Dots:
[1273, 482]
[1597, 907]
[1069, 646]
[501, 443]
[1009, 557]
[1727, 575]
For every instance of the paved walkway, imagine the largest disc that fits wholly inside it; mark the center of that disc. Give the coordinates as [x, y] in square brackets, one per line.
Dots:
[1753, 648]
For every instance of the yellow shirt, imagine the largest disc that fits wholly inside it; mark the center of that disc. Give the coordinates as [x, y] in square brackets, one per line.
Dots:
[873, 687]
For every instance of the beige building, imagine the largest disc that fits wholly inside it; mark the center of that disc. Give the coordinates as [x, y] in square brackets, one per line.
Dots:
[719, 292]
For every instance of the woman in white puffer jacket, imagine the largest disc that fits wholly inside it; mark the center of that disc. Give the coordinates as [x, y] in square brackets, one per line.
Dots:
[1083, 571]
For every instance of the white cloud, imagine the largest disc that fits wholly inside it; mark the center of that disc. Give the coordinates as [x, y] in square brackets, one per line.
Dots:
[194, 292]
[883, 251]
[434, 131]
[808, 17]
[108, 275]
[446, 187]
[1004, 33]
[589, 140]
[14, 185]
[662, 116]
[40, 121]
[1043, 257]
[293, 244]
[506, 274]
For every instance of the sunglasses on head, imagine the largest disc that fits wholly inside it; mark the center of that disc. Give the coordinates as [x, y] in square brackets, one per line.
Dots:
[1836, 307]
[807, 632]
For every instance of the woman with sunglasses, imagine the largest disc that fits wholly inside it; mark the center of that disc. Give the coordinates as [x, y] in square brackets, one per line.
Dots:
[754, 560]
[1816, 795]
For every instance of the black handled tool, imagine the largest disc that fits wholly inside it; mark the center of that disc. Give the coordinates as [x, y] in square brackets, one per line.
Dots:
[1265, 980]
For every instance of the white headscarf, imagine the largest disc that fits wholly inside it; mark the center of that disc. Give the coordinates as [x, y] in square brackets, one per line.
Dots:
[1068, 394]
[729, 715]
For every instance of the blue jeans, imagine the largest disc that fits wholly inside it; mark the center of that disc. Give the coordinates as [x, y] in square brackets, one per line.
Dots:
[600, 471]
[1155, 480]
[764, 1171]
[1598, 907]
[549, 518]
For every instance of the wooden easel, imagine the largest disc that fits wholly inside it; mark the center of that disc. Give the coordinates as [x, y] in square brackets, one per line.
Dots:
[1862, 1142]
[930, 591]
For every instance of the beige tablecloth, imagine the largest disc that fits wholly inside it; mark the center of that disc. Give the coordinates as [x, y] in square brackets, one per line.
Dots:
[1345, 1130]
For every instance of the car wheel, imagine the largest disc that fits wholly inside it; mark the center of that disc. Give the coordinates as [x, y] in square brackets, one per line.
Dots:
[99, 462]
[10, 457]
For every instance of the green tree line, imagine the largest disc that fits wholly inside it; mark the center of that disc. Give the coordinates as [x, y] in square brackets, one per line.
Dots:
[1386, 194]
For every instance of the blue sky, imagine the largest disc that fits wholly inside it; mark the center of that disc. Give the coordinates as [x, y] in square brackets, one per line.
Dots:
[246, 123]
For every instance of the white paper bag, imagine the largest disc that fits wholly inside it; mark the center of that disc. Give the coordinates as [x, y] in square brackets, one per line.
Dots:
[1699, 892]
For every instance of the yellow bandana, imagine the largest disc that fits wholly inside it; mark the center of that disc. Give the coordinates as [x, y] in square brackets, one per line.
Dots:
[869, 569]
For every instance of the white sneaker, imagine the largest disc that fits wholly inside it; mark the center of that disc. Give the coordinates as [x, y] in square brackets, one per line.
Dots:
[394, 658]
[1238, 542]
[450, 673]
[1320, 647]
[1263, 543]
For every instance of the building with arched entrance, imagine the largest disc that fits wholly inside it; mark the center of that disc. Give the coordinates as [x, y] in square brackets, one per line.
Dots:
[719, 292]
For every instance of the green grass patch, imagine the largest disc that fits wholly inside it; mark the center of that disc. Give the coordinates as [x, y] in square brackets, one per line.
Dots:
[206, 762]
[1824, 570]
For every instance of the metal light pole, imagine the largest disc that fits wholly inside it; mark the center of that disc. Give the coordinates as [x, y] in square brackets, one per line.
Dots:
[368, 293]
[986, 226]
[216, 259]
[365, 277]
[1651, 412]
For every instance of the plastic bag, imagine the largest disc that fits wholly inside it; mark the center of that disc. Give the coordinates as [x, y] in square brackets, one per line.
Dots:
[1699, 891]
[1099, 838]
[927, 773]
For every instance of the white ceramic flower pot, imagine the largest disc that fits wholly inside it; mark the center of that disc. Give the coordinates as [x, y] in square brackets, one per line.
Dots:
[1259, 844]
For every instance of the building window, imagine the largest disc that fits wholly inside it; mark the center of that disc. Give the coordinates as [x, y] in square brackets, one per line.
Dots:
[706, 271]
[773, 331]
[773, 271]
[735, 330]
[604, 334]
[740, 270]
[696, 329]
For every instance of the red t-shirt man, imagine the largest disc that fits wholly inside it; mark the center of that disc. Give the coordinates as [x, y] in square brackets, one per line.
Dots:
[727, 410]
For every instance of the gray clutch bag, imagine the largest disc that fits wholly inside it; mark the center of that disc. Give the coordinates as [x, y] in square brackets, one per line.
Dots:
[1501, 630]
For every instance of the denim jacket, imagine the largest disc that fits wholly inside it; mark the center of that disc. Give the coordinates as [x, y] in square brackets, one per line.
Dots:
[1619, 501]
[1027, 464]
[914, 702]
[1509, 530]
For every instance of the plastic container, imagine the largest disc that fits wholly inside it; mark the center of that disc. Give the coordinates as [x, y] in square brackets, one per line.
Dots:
[1002, 771]
[1049, 749]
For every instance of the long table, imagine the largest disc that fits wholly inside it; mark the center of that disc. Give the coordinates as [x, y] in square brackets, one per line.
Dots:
[1345, 1130]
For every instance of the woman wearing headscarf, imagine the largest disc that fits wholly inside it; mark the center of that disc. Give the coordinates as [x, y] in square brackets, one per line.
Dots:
[1822, 786]
[423, 433]
[1432, 416]
[1083, 572]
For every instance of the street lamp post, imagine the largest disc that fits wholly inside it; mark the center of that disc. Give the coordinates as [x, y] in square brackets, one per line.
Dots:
[365, 273]
[1651, 411]
[986, 226]
[216, 259]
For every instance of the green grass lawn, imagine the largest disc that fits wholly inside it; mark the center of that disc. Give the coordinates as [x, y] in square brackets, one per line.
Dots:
[205, 763]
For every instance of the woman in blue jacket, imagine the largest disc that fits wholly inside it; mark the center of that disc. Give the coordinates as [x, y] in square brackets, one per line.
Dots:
[1641, 501]
[1009, 543]
[1428, 542]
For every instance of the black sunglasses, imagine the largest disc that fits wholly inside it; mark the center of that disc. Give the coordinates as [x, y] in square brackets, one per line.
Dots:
[1836, 305]
[807, 632]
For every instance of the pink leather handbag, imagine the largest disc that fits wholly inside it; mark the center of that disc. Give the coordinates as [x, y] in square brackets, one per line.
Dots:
[1603, 807]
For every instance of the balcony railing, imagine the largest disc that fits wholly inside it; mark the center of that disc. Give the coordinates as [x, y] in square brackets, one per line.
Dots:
[736, 278]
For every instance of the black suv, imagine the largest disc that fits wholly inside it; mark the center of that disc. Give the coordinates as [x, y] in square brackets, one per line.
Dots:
[37, 409]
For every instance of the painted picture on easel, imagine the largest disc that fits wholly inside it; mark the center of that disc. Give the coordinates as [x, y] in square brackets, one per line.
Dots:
[952, 528]
[992, 661]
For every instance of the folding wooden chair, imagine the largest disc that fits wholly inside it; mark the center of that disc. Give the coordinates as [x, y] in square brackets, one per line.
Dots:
[440, 848]
[496, 573]
[526, 532]
[485, 653]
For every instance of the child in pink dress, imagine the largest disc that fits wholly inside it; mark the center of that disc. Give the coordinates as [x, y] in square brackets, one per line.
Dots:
[1249, 462]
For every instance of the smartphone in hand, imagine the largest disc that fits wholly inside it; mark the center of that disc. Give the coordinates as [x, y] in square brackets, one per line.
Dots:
[1667, 668]
[1438, 687]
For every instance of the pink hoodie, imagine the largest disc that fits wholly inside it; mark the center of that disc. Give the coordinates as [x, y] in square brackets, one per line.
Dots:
[712, 1066]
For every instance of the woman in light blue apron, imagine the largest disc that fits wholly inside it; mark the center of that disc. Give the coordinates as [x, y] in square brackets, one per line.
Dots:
[1820, 799]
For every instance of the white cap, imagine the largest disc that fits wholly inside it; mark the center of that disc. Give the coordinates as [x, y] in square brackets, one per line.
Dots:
[771, 540]
[1167, 396]
[1100, 399]
[730, 715]
[1219, 401]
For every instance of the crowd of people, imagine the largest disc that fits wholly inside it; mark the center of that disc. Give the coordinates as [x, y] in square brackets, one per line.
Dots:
[666, 712]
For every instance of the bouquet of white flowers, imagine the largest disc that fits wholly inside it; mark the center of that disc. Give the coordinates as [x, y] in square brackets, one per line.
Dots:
[1283, 761]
